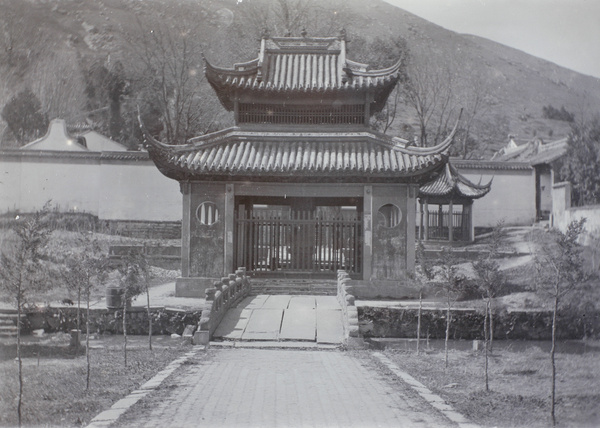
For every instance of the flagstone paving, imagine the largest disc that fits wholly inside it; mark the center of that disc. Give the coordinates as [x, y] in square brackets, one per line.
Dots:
[283, 388]
[284, 318]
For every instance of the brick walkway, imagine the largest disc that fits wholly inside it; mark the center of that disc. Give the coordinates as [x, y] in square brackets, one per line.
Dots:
[287, 388]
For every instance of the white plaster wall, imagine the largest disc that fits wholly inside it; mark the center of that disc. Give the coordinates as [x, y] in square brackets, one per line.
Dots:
[112, 190]
[546, 191]
[511, 198]
[71, 185]
[10, 184]
[138, 191]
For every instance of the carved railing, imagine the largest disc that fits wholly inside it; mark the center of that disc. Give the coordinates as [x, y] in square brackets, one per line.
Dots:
[219, 299]
[346, 300]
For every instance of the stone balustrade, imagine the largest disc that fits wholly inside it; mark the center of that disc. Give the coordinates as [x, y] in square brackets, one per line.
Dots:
[346, 300]
[225, 294]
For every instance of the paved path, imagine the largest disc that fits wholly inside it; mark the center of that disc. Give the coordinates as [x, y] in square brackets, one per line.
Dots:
[282, 318]
[287, 388]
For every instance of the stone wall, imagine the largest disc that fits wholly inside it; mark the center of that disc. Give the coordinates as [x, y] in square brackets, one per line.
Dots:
[468, 324]
[110, 321]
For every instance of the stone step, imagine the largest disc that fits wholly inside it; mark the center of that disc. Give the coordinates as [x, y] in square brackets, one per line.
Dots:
[294, 287]
[8, 330]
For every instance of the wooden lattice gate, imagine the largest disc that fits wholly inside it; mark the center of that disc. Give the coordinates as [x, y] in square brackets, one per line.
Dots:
[272, 242]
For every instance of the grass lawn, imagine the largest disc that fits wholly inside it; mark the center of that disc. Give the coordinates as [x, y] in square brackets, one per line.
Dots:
[519, 385]
[54, 391]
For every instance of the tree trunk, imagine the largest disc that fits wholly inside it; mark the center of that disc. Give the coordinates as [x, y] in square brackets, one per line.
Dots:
[149, 317]
[491, 324]
[447, 334]
[552, 358]
[419, 319]
[78, 311]
[486, 335]
[19, 361]
[87, 340]
[125, 329]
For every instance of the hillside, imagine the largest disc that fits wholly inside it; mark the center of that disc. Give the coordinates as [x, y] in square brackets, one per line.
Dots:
[52, 42]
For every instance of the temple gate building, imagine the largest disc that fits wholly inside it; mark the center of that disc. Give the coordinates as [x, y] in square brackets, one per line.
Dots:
[300, 186]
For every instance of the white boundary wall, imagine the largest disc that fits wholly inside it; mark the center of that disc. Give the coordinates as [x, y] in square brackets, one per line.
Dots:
[111, 185]
[563, 214]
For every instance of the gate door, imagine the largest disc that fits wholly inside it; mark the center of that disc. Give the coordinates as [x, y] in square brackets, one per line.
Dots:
[274, 241]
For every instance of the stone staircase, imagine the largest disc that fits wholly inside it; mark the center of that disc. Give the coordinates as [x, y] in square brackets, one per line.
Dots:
[313, 287]
[8, 323]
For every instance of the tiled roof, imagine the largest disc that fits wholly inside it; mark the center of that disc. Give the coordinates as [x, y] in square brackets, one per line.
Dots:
[490, 165]
[451, 183]
[300, 64]
[535, 152]
[233, 154]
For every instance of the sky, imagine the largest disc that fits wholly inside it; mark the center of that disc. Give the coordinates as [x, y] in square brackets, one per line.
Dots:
[566, 32]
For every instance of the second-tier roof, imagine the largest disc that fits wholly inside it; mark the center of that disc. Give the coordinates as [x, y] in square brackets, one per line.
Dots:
[302, 64]
[235, 154]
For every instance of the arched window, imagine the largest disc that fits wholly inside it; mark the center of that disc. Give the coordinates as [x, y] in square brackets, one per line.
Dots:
[207, 213]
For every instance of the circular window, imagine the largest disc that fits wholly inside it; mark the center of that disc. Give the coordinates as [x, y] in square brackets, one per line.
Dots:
[207, 213]
[389, 216]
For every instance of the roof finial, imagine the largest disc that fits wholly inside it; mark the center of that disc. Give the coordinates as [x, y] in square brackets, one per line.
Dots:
[265, 33]
[343, 34]
[303, 33]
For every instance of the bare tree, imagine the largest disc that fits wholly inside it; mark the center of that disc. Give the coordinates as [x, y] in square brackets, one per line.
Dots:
[169, 79]
[424, 276]
[559, 270]
[451, 285]
[491, 281]
[293, 17]
[476, 101]
[82, 270]
[429, 92]
[59, 85]
[22, 272]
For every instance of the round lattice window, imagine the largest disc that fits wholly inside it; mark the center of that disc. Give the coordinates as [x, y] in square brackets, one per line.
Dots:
[207, 213]
[389, 216]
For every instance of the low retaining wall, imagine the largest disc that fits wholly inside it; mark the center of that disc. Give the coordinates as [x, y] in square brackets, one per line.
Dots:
[468, 324]
[225, 294]
[110, 321]
[163, 256]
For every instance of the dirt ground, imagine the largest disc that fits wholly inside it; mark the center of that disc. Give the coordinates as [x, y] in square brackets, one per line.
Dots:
[54, 377]
[519, 384]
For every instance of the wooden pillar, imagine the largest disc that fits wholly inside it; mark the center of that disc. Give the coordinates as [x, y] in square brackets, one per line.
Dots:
[426, 231]
[368, 232]
[186, 191]
[471, 229]
[421, 214]
[440, 220]
[451, 222]
[411, 226]
[229, 223]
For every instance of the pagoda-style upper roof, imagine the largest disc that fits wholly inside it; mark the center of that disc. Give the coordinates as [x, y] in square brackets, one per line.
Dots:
[302, 64]
[450, 184]
[237, 154]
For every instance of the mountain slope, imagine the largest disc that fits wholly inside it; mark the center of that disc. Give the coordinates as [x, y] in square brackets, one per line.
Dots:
[518, 85]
